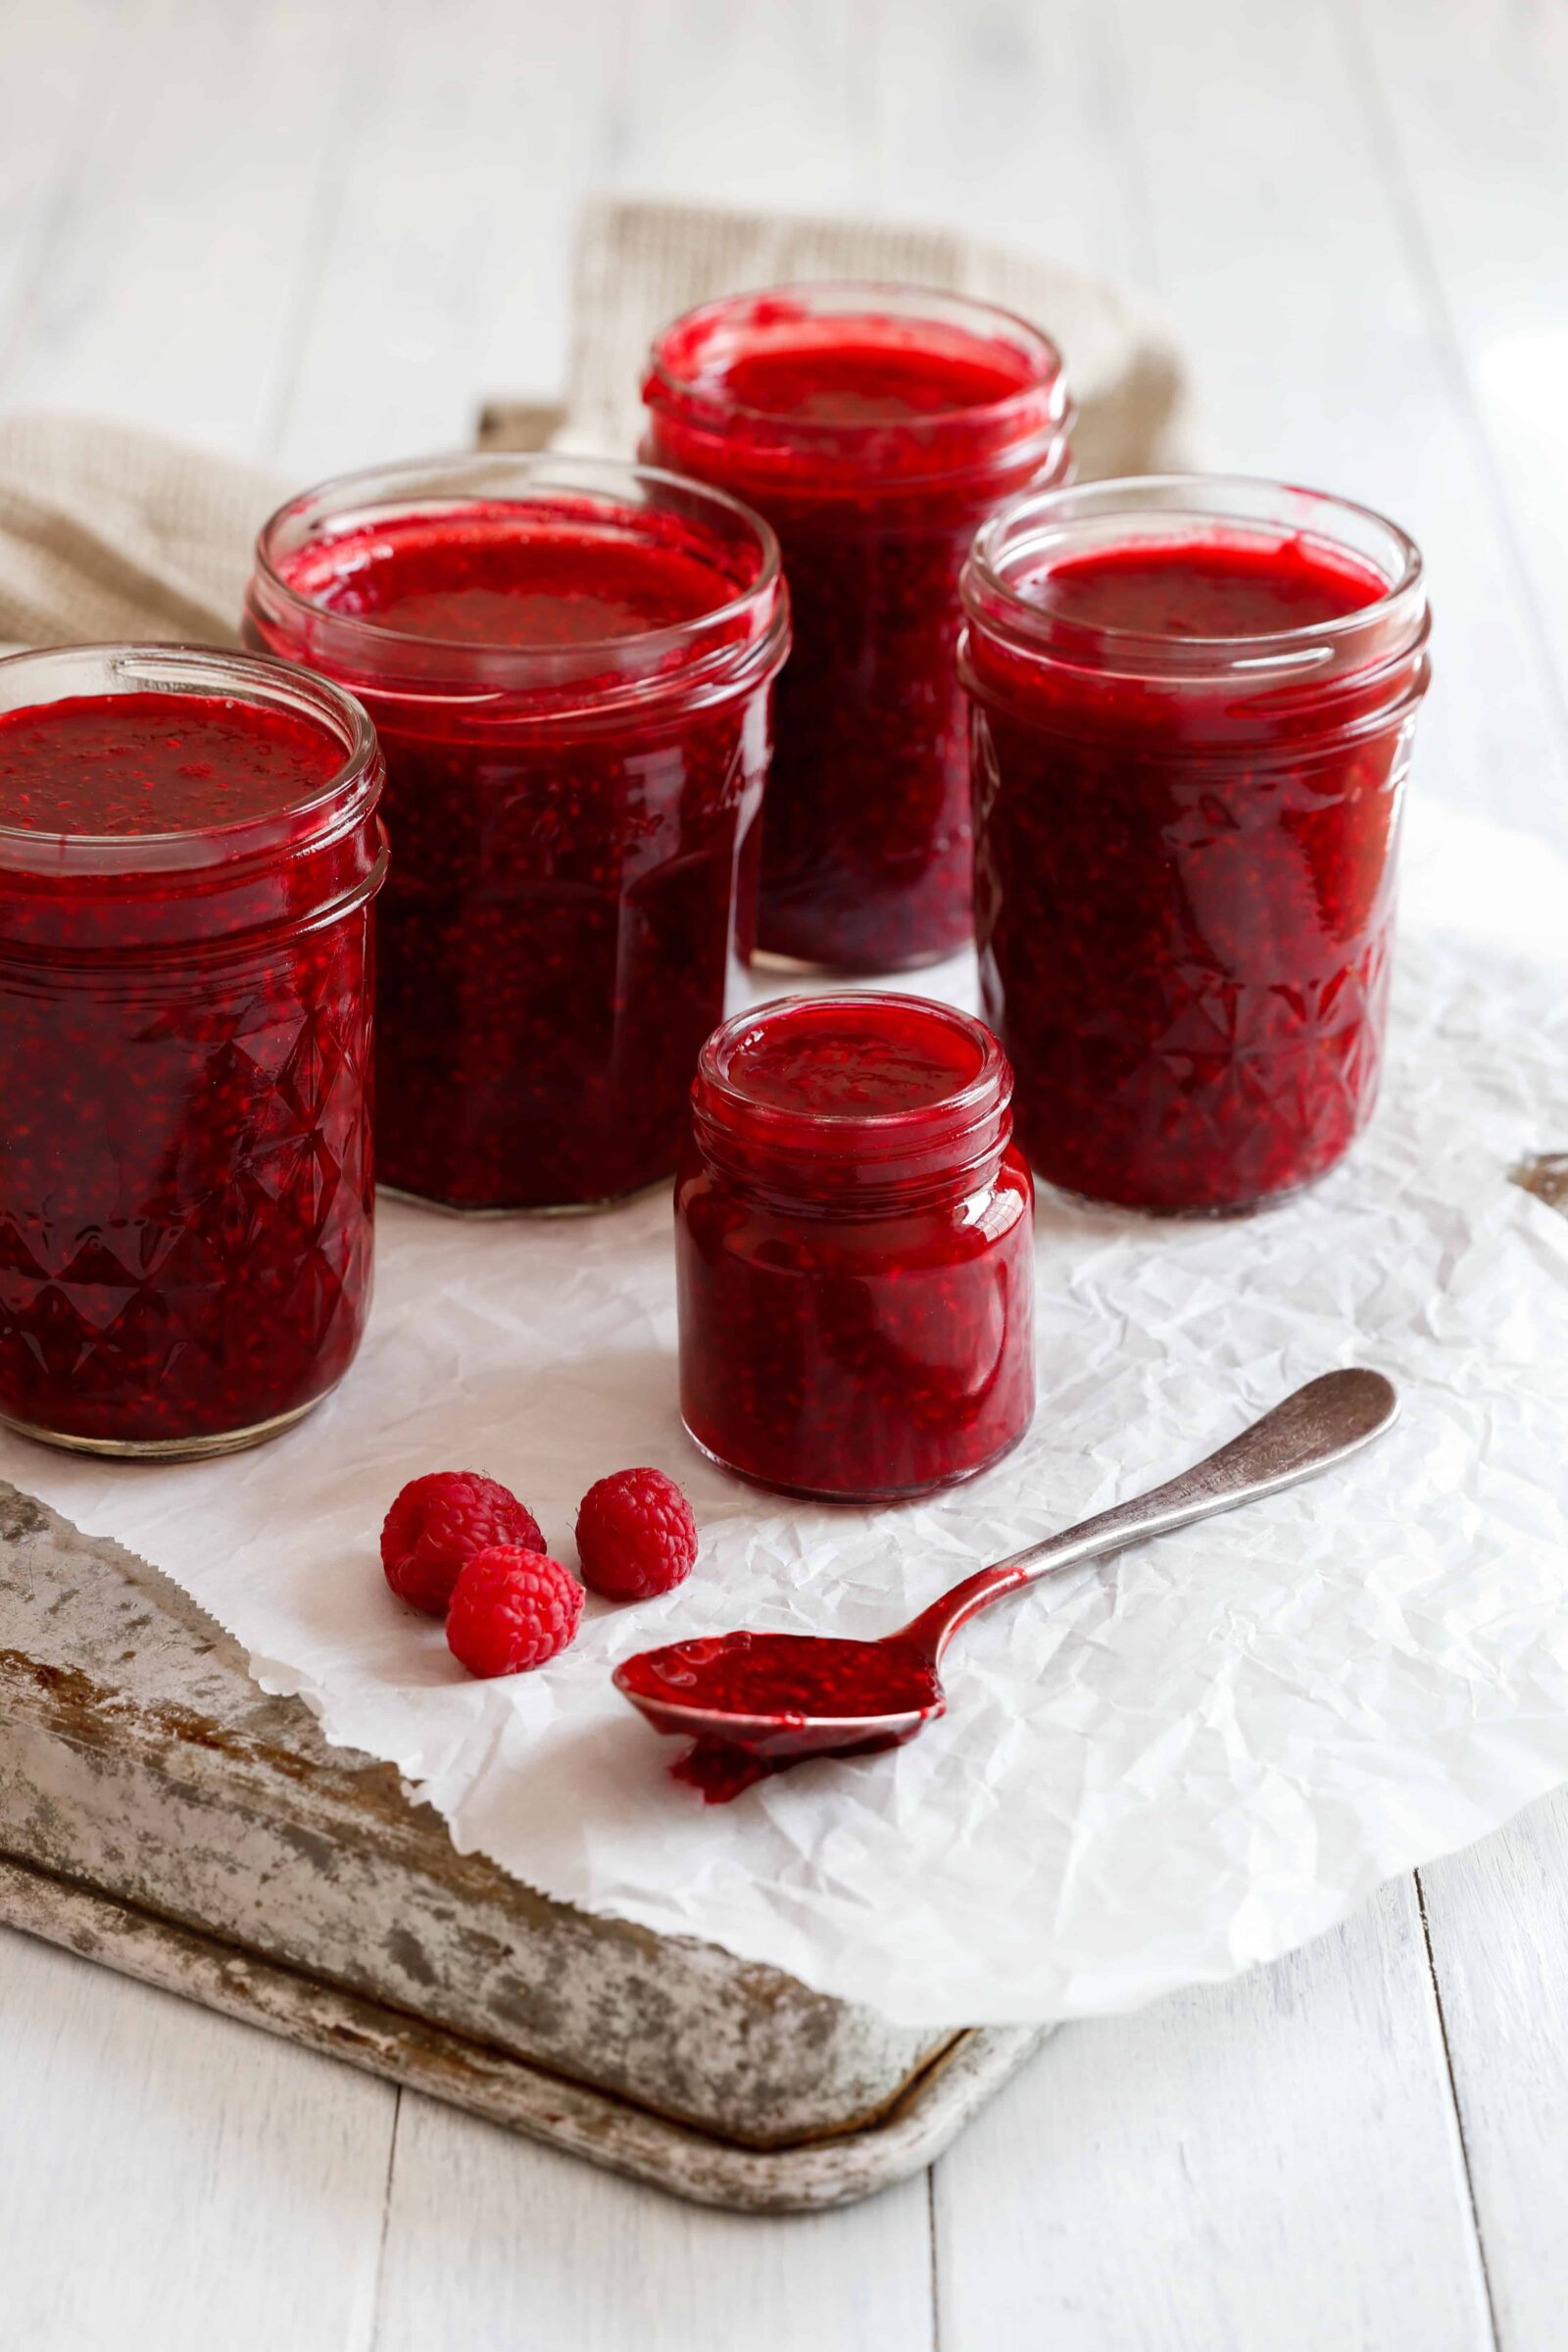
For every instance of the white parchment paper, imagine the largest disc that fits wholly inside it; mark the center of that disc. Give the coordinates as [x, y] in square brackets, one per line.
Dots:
[1155, 1771]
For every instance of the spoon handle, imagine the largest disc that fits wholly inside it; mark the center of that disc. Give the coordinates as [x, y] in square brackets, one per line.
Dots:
[1333, 1417]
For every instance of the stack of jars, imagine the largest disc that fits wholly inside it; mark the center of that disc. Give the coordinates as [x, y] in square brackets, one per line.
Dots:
[1144, 741]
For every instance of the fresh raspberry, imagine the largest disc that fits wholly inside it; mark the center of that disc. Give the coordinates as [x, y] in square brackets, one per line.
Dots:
[439, 1522]
[635, 1535]
[511, 1608]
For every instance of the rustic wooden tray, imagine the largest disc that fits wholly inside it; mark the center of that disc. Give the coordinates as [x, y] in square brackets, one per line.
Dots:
[160, 1814]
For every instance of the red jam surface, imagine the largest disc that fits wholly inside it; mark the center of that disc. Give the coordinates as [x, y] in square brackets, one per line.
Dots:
[1221, 587]
[1189, 758]
[475, 578]
[873, 441]
[851, 376]
[134, 764]
[572, 701]
[781, 1680]
[185, 1180]
[854, 1249]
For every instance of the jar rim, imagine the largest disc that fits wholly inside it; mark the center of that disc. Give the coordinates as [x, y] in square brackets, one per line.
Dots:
[1086, 513]
[723, 1100]
[876, 299]
[448, 483]
[115, 667]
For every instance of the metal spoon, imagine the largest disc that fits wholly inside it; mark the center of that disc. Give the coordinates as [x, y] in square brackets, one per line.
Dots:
[756, 1702]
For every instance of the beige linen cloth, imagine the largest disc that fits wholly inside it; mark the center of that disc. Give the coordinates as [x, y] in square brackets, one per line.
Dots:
[109, 532]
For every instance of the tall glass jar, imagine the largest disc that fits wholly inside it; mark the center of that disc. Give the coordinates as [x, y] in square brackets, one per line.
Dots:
[568, 663]
[854, 1249]
[874, 427]
[189, 848]
[1194, 704]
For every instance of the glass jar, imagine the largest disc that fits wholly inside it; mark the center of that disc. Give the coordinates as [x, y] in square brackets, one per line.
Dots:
[568, 665]
[189, 848]
[854, 1249]
[1194, 702]
[874, 427]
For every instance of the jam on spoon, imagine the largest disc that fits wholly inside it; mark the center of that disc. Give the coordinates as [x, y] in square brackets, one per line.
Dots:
[755, 1702]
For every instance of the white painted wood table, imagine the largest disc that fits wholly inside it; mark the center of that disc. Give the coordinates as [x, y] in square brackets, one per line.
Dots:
[318, 231]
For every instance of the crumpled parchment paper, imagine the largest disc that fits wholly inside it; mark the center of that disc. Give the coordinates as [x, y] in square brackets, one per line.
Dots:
[1155, 1770]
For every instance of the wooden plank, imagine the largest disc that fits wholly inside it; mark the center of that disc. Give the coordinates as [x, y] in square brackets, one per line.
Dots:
[445, 275]
[59, 56]
[492, 2242]
[1272, 2163]
[1497, 1925]
[162, 293]
[169, 2178]
[743, 102]
[1497, 1920]
[1320, 355]
[1471, 106]
[1011, 120]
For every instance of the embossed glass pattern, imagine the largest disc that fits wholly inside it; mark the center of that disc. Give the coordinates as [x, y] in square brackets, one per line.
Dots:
[569, 662]
[1188, 782]
[186, 1046]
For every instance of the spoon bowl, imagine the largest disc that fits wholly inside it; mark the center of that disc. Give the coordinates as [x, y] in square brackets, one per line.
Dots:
[774, 1698]
[786, 1694]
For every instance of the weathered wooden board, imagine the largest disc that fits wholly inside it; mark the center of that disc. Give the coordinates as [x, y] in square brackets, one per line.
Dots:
[158, 1812]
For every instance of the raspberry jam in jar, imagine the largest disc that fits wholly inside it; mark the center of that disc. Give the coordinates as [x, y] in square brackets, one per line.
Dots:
[569, 666]
[875, 426]
[1194, 702]
[189, 848]
[854, 1249]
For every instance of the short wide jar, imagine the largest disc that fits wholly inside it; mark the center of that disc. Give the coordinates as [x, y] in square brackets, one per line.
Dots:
[874, 427]
[1194, 702]
[189, 848]
[853, 1246]
[568, 665]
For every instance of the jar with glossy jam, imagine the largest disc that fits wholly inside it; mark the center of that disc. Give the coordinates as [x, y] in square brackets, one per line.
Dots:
[189, 848]
[875, 427]
[853, 1247]
[1194, 704]
[568, 665]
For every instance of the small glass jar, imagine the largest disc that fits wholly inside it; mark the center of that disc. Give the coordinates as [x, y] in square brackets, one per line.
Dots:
[1194, 704]
[854, 1249]
[568, 663]
[189, 848]
[874, 427]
